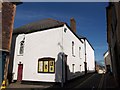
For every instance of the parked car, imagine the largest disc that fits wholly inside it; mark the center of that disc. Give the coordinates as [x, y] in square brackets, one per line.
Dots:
[100, 71]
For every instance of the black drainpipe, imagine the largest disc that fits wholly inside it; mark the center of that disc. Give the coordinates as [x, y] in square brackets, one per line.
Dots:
[62, 82]
[85, 63]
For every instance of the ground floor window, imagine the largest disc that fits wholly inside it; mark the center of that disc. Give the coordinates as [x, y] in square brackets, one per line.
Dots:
[46, 65]
[73, 67]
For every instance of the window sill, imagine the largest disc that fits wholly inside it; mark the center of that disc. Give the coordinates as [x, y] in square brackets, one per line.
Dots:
[73, 55]
[47, 72]
[20, 55]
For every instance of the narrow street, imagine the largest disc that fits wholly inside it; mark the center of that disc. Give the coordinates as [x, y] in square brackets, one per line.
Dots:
[59, 45]
[89, 81]
[92, 81]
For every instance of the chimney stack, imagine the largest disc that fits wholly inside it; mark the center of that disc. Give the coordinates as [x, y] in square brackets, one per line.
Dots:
[73, 24]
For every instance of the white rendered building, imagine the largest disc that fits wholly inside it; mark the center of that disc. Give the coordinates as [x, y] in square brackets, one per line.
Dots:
[50, 51]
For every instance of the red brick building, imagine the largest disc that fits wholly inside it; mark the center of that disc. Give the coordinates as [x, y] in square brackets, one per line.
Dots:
[7, 15]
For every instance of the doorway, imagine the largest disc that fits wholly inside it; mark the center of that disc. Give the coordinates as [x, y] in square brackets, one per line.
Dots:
[20, 72]
[108, 68]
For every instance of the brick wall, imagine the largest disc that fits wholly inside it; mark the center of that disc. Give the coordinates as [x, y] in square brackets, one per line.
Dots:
[8, 13]
[0, 25]
[73, 24]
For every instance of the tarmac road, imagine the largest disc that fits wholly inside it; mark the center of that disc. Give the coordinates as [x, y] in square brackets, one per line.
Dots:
[92, 82]
[89, 81]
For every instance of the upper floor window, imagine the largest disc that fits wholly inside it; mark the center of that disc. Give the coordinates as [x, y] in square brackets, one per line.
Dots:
[72, 47]
[65, 29]
[21, 50]
[79, 52]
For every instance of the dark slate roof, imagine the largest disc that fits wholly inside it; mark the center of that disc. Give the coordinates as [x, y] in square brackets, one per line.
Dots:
[38, 26]
[43, 25]
[17, 2]
[81, 37]
[105, 53]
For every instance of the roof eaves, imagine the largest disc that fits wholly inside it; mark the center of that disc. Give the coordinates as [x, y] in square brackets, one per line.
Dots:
[90, 43]
[37, 30]
[39, 26]
[105, 53]
[73, 32]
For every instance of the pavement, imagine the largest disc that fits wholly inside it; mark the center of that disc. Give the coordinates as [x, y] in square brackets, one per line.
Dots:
[91, 81]
[71, 84]
[29, 86]
[42, 85]
[109, 81]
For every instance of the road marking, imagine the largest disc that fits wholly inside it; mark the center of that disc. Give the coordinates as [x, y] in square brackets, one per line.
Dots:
[101, 82]
[84, 81]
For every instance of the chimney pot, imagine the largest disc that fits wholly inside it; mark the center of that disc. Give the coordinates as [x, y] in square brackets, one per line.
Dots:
[73, 24]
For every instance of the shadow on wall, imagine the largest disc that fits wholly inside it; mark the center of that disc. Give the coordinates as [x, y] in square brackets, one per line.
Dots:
[11, 58]
[58, 69]
[2, 64]
[62, 69]
[0, 67]
[62, 72]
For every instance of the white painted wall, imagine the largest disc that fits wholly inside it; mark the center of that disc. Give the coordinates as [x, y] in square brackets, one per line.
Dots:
[38, 45]
[90, 58]
[68, 37]
[49, 43]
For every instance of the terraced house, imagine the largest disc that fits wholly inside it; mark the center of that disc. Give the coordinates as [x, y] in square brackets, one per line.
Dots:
[50, 51]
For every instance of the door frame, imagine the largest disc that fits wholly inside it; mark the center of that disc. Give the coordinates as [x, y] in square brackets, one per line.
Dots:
[20, 72]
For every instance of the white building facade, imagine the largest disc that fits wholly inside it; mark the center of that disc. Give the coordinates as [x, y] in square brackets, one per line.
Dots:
[55, 54]
[107, 60]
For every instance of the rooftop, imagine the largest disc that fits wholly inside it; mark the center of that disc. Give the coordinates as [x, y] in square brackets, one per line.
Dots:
[82, 37]
[38, 26]
[43, 25]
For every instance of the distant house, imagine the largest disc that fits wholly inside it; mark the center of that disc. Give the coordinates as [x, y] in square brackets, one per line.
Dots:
[89, 54]
[50, 51]
[107, 60]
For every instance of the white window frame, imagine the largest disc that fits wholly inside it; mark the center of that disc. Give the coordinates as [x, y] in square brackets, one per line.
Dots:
[21, 47]
[73, 48]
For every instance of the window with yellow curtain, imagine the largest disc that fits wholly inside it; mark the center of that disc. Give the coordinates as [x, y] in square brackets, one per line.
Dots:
[46, 65]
